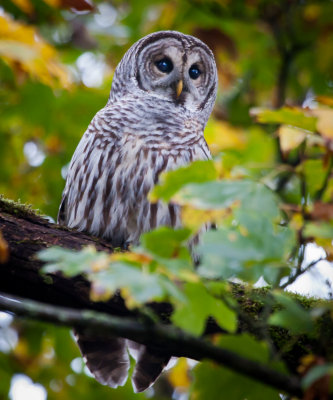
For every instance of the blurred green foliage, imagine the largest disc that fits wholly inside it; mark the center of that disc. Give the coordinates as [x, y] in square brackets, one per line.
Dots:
[272, 126]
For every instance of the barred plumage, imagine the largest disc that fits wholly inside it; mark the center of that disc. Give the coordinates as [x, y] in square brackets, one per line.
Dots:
[152, 122]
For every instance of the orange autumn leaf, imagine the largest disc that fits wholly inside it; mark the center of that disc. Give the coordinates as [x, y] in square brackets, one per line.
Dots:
[327, 100]
[24, 5]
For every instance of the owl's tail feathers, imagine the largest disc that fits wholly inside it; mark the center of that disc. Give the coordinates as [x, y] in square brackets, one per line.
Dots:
[150, 362]
[107, 358]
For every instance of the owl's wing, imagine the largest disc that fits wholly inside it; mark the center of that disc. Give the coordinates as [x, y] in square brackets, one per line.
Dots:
[76, 178]
[89, 171]
[61, 219]
[92, 201]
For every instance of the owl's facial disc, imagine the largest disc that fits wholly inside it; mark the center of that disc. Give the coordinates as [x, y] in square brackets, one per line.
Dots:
[176, 72]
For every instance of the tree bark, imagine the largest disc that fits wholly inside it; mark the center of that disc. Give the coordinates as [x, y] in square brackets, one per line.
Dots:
[27, 233]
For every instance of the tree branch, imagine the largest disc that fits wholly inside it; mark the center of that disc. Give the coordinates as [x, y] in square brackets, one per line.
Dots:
[300, 272]
[27, 233]
[180, 343]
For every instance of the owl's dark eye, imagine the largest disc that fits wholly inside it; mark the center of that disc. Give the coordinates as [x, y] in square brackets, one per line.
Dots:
[164, 65]
[194, 72]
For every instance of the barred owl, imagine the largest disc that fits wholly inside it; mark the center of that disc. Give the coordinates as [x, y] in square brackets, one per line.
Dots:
[162, 94]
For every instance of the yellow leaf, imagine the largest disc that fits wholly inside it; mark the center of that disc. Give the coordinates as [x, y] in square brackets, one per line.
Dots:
[297, 221]
[99, 293]
[132, 257]
[306, 362]
[183, 275]
[221, 135]
[100, 265]
[21, 350]
[130, 301]
[195, 218]
[312, 12]
[23, 49]
[243, 230]
[290, 137]
[325, 121]
[178, 376]
[4, 250]
[47, 352]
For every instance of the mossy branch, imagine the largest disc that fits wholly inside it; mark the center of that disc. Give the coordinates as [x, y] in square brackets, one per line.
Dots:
[26, 233]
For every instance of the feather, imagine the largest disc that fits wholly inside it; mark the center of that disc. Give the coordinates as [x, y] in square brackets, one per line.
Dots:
[106, 357]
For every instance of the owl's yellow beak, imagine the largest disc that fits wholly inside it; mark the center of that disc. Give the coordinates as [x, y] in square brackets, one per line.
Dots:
[179, 88]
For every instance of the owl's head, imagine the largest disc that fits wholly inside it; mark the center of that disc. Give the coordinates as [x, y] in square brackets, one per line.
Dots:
[170, 66]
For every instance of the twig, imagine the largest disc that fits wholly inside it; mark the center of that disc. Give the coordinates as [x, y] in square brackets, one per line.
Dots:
[300, 272]
[179, 343]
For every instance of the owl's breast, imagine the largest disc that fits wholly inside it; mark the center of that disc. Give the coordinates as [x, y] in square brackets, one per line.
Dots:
[109, 182]
[142, 162]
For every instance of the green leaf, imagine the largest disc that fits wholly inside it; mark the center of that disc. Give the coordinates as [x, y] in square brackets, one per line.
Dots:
[137, 286]
[314, 174]
[221, 194]
[7, 371]
[322, 230]
[315, 373]
[288, 116]
[70, 262]
[182, 268]
[247, 346]
[210, 380]
[293, 316]
[251, 245]
[167, 242]
[244, 251]
[172, 181]
[192, 314]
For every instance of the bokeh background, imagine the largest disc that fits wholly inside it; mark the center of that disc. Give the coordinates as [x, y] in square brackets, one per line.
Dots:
[57, 58]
